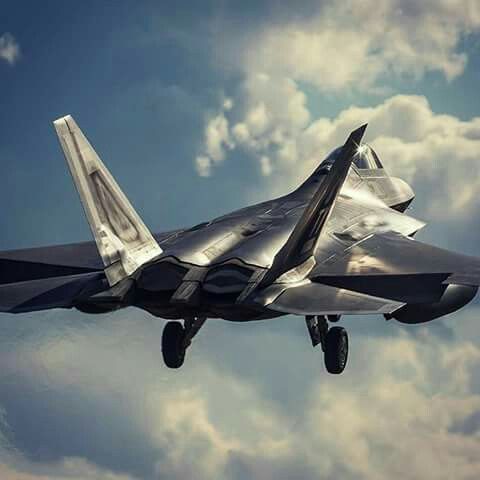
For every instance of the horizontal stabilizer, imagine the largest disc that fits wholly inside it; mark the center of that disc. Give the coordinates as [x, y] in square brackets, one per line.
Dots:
[122, 239]
[46, 293]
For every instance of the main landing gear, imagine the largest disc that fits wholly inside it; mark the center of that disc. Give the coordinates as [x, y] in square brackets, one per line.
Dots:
[334, 341]
[176, 338]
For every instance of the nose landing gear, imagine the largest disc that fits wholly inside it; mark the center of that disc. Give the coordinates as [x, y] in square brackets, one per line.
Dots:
[334, 342]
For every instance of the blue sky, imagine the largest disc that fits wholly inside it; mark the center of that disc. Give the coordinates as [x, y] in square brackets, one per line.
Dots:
[199, 109]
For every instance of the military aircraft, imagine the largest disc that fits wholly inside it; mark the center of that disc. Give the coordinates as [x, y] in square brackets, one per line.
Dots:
[340, 244]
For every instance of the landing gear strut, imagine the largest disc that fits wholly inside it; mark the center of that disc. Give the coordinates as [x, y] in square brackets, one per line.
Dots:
[176, 338]
[334, 341]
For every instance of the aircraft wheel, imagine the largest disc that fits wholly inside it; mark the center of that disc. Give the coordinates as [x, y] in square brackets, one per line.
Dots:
[336, 350]
[173, 347]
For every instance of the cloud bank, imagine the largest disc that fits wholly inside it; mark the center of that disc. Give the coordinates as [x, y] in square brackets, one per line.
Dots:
[356, 46]
[344, 48]
[405, 400]
[435, 152]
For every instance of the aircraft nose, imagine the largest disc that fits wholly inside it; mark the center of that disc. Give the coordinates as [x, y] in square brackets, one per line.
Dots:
[404, 194]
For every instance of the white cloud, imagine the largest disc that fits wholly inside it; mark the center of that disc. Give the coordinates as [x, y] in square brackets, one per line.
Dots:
[351, 45]
[217, 139]
[274, 113]
[203, 165]
[400, 411]
[227, 104]
[9, 48]
[67, 469]
[340, 47]
[265, 166]
[435, 152]
[380, 421]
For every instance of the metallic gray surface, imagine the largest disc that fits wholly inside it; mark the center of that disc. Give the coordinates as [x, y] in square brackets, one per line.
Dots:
[453, 298]
[281, 256]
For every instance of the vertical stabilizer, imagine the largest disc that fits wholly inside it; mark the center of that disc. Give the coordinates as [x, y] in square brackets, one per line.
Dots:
[304, 237]
[123, 240]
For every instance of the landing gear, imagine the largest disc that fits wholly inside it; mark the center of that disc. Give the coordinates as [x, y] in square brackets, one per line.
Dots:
[334, 341]
[336, 350]
[176, 338]
[173, 348]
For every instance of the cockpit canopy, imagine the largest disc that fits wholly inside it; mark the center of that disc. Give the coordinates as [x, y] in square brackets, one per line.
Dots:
[365, 158]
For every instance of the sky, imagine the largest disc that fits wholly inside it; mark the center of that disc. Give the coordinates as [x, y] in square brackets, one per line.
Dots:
[197, 109]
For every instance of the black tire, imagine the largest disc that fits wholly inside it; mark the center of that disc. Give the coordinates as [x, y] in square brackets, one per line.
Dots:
[173, 348]
[336, 350]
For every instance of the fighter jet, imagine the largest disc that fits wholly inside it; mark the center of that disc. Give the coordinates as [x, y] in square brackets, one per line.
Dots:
[340, 244]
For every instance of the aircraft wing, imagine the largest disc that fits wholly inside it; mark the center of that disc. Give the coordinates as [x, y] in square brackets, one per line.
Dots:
[392, 254]
[53, 276]
[377, 275]
[51, 292]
